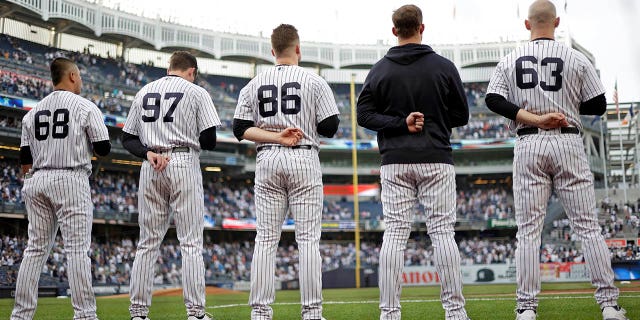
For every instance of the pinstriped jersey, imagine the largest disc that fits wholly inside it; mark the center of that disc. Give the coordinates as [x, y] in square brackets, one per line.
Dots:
[287, 96]
[59, 131]
[546, 76]
[171, 112]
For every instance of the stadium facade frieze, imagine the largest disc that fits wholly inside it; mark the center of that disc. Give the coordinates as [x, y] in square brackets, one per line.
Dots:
[97, 21]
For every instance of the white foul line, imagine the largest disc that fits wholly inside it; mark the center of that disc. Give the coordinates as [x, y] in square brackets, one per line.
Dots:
[420, 301]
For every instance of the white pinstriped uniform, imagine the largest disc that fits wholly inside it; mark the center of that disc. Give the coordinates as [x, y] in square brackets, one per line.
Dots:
[547, 76]
[167, 113]
[287, 179]
[59, 131]
[434, 186]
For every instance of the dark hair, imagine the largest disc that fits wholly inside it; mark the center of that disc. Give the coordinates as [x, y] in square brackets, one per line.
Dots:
[182, 60]
[59, 68]
[407, 20]
[284, 36]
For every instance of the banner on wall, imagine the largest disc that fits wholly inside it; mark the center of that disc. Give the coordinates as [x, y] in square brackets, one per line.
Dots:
[496, 273]
[616, 243]
[364, 190]
[11, 102]
[628, 270]
[501, 223]
[244, 224]
[249, 224]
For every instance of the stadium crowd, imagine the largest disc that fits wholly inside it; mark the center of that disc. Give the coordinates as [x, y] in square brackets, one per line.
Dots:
[484, 204]
[111, 82]
[231, 261]
[115, 193]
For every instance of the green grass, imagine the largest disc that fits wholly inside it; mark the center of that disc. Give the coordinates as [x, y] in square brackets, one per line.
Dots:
[484, 302]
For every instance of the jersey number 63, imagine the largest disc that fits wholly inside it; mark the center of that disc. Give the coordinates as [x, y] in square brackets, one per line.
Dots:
[554, 83]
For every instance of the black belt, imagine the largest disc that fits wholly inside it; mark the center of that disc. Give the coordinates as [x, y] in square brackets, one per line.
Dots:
[51, 168]
[564, 130]
[174, 149]
[180, 149]
[275, 146]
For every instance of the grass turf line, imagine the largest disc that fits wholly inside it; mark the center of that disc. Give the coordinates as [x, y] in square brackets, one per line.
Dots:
[484, 302]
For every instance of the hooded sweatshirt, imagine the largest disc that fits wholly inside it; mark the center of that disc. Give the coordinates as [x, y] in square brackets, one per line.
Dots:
[413, 78]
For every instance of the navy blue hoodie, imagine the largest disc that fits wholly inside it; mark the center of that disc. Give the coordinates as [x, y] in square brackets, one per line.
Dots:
[413, 78]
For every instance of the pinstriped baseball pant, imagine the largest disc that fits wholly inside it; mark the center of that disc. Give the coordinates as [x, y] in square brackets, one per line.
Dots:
[177, 189]
[287, 180]
[543, 162]
[433, 185]
[57, 198]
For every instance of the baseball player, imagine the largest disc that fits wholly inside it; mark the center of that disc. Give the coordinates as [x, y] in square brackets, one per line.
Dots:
[59, 136]
[170, 120]
[283, 110]
[543, 87]
[413, 97]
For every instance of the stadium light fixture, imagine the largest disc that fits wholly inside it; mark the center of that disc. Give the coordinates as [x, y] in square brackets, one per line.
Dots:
[212, 169]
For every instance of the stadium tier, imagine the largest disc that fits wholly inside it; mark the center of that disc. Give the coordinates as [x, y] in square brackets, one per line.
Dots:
[111, 84]
[114, 196]
[231, 261]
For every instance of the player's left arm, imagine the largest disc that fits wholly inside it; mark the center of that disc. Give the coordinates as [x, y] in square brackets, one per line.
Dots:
[26, 159]
[244, 125]
[592, 91]
[131, 131]
[243, 117]
[371, 118]
[326, 110]
[501, 106]
[457, 106]
[498, 93]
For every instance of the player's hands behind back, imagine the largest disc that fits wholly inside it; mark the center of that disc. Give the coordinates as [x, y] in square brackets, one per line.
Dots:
[158, 162]
[552, 120]
[415, 122]
[290, 137]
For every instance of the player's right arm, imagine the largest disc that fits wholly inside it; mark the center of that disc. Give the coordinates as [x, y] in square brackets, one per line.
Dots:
[326, 110]
[26, 159]
[97, 131]
[207, 119]
[457, 106]
[593, 101]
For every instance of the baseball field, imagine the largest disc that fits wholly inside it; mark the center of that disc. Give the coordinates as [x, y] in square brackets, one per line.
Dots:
[559, 301]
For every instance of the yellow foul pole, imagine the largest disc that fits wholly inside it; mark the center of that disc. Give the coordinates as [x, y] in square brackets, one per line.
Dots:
[354, 157]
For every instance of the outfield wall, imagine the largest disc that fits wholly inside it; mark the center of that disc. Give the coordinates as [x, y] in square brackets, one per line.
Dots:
[497, 273]
[412, 276]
